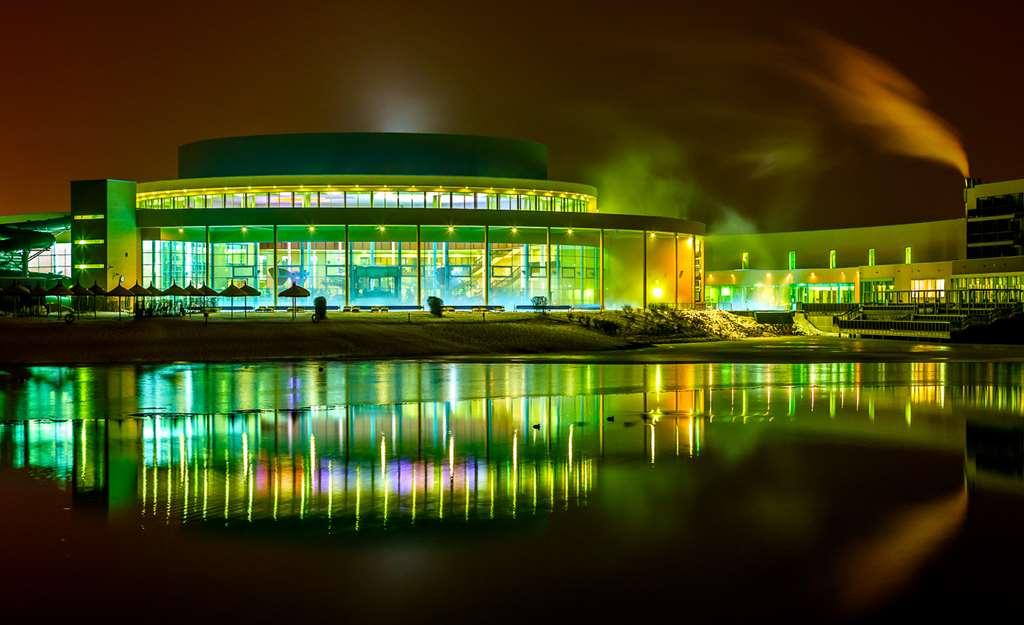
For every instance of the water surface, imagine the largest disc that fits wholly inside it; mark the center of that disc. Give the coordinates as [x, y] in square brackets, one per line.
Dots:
[421, 490]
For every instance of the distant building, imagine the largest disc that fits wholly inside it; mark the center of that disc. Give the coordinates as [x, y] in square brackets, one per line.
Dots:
[995, 218]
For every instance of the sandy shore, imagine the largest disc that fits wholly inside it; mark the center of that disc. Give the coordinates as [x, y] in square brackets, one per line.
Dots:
[462, 336]
[371, 335]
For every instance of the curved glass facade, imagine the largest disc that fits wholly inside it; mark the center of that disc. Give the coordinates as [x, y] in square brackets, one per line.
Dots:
[366, 197]
[401, 266]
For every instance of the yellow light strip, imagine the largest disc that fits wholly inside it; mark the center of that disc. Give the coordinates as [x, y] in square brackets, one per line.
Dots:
[81, 217]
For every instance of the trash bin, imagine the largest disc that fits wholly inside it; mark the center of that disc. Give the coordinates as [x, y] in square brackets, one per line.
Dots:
[319, 309]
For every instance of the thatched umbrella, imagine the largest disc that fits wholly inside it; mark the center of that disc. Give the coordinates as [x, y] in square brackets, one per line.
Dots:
[97, 291]
[293, 292]
[247, 292]
[175, 291]
[205, 291]
[17, 291]
[39, 293]
[79, 291]
[119, 291]
[193, 291]
[59, 290]
[232, 292]
[138, 291]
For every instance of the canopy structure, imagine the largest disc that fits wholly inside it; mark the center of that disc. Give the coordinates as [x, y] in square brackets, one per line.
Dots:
[39, 293]
[119, 291]
[78, 292]
[59, 290]
[193, 291]
[294, 291]
[16, 291]
[232, 291]
[155, 292]
[96, 291]
[247, 292]
[175, 291]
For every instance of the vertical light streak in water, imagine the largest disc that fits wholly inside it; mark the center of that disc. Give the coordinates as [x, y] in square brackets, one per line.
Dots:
[314, 468]
[206, 484]
[440, 491]
[534, 486]
[492, 475]
[185, 480]
[83, 455]
[465, 489]
[227, 483]
[570, 445]
[330, 489]
[384, 475]
[412, 509]
[451, 457]
[692, 426]
[652, 439]
[907, 412]
[675, 433]
[551, 484]
[170, 485]
[276, 479]
[359, 498]
[145, 486]
[302, 496]
[248, 505]
[245, 455]
[871, 408]
[791, 410]
[515, 473]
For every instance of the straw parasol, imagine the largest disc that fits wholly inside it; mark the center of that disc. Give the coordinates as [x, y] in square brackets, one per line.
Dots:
[294, 291]
[193, 291]
[16, 291]
[175, 291]
[96, 291]
[79, 291]
[138, 291]
[59, 290]
[247, 292]
[205, 291]
[232, 292]
[39, 293]
[119, 291]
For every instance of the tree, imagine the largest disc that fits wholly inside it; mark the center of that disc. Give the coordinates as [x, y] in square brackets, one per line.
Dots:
[436, 305]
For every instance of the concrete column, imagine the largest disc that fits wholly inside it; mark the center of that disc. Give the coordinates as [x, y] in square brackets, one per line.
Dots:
[487, 265]
[644, 298]
[419, 270]
[348, 266]
[209, 257]
[675, 267]
[273, 274]
[547, 259]
[600, 266]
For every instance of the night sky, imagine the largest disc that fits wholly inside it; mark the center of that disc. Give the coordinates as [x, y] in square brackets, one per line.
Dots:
[742, 115]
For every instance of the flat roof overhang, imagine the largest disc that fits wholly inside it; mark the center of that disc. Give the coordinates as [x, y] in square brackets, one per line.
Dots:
[190, 217]
[371, 182]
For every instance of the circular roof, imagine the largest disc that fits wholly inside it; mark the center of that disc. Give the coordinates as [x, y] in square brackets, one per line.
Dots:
[363, 153]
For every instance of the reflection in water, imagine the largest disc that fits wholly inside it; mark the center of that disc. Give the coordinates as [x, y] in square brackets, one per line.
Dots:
[361, 445]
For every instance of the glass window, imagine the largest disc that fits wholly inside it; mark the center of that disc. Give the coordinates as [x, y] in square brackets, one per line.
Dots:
[281, 199]
[197, 201]
[831, 259]
[544, 203]
[792, 259]
[462, 200]
[745, 260]
[527, 202]
[357, 199]
[332, 199]
[507, 202]
[179, 202]
[215, 201]
[410, 199]
[234, 200]
[385, 199]
[257, 200]
[438, 199]
[871, 257]
[908, 255]
[306, 199]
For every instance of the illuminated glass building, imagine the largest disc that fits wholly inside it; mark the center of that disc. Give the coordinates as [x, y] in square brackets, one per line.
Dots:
[381, 219]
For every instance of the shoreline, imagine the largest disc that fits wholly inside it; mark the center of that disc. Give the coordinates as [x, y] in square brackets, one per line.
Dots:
[459, 338]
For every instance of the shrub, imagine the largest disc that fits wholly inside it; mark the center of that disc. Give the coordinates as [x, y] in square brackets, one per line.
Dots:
[436, 305]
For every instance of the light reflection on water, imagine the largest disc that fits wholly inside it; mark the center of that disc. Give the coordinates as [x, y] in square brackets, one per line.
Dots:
[352, 446]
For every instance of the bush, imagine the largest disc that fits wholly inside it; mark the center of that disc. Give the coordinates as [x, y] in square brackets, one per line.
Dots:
[436, 305]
